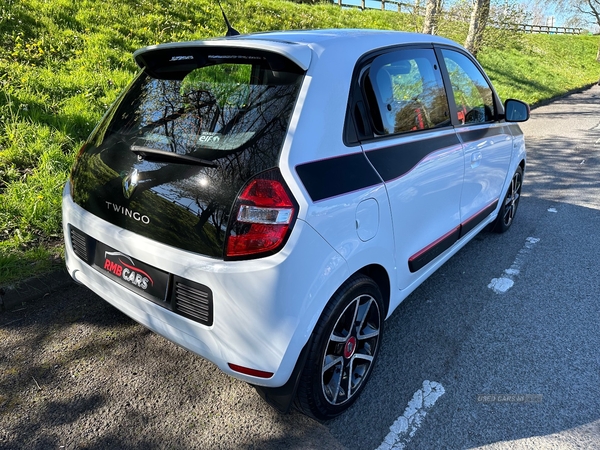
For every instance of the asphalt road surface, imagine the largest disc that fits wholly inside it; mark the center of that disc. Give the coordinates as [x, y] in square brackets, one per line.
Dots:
[499, 349]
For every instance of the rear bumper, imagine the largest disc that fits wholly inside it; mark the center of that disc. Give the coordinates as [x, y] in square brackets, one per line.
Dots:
[264, 309]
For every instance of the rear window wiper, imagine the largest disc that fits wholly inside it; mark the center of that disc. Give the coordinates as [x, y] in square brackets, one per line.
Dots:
[152, 154]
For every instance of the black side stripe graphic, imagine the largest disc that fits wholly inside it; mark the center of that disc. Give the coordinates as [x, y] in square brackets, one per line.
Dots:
[393, 162]
[425, 256]
[481, 133]
[330, 177]
[336, 176]
[433, 250]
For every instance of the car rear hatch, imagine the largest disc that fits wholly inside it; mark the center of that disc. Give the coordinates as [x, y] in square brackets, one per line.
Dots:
[199, 121]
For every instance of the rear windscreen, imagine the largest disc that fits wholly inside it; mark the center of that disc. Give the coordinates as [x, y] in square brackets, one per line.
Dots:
[211, 112]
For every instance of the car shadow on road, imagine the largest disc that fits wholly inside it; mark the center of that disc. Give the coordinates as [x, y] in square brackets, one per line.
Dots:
[75, 372]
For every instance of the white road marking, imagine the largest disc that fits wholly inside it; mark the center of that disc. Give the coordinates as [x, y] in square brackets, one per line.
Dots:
[507, 280]
[501, 285]
[405, 427]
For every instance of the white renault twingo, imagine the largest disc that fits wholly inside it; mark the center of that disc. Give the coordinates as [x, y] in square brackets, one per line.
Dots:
[266, 201]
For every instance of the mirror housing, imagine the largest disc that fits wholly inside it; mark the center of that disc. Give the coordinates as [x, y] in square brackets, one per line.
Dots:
[516, 110]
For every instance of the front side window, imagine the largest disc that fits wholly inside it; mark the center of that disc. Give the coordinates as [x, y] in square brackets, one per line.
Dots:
[472, 94]
[408, 92]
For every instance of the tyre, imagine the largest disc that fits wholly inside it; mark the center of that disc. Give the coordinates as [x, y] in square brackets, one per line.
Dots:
[509, 206]
[343, 350]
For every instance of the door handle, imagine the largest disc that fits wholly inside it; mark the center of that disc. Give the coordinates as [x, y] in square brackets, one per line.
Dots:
[476, 159]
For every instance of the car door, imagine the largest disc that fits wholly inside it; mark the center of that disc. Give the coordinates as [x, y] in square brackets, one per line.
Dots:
[410, 141]
[487, 142]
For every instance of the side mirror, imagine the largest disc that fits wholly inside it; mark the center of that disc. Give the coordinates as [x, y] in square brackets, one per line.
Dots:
[516, 110]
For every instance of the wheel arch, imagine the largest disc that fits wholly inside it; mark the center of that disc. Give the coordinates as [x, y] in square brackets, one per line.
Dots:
[282, 398]
[381, 277]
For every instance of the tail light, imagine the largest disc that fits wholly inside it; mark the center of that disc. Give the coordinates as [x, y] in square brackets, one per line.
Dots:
[262, 217]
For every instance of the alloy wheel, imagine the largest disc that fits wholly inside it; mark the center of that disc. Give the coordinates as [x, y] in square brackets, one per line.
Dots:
[512, 199]
[350, 351]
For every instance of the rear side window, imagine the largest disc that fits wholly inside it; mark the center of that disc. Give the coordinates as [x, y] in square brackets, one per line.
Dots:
[407, 92]
[472, 94]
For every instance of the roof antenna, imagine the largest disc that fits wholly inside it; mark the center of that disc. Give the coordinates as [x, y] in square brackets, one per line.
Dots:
[230, 30]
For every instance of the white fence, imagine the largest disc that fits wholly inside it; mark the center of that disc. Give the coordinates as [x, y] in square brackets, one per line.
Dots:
[394, 5]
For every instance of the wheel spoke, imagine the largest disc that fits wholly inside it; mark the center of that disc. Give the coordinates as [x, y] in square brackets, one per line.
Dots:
[367, 330]
[368, 335]
[333, 362]
[512, 199]
[355, 316]
[364, 314]
[349, 374]
[360, 365]
[337, 339]
[332, 388]
[364, 357]
[508, 214]
[510, 194]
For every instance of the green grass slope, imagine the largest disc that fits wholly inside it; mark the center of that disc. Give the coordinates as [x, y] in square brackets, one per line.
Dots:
[62, 62]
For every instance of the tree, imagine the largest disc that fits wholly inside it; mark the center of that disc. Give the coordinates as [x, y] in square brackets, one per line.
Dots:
[416, 14]
[587, 11]
[434, 7]
[417, 7]
[479, 18]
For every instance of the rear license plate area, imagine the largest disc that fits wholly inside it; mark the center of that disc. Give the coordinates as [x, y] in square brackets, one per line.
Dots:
[142, 278]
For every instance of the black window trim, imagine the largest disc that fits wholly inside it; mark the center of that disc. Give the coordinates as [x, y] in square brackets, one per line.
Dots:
[498, 107]
[351, 136]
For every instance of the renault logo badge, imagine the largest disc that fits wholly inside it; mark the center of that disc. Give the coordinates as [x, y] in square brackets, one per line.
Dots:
[130, 182]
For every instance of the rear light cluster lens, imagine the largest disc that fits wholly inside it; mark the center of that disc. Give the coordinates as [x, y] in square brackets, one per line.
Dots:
[262, 218]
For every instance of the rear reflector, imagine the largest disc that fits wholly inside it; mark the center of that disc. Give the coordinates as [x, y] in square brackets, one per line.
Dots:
[251, 372]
